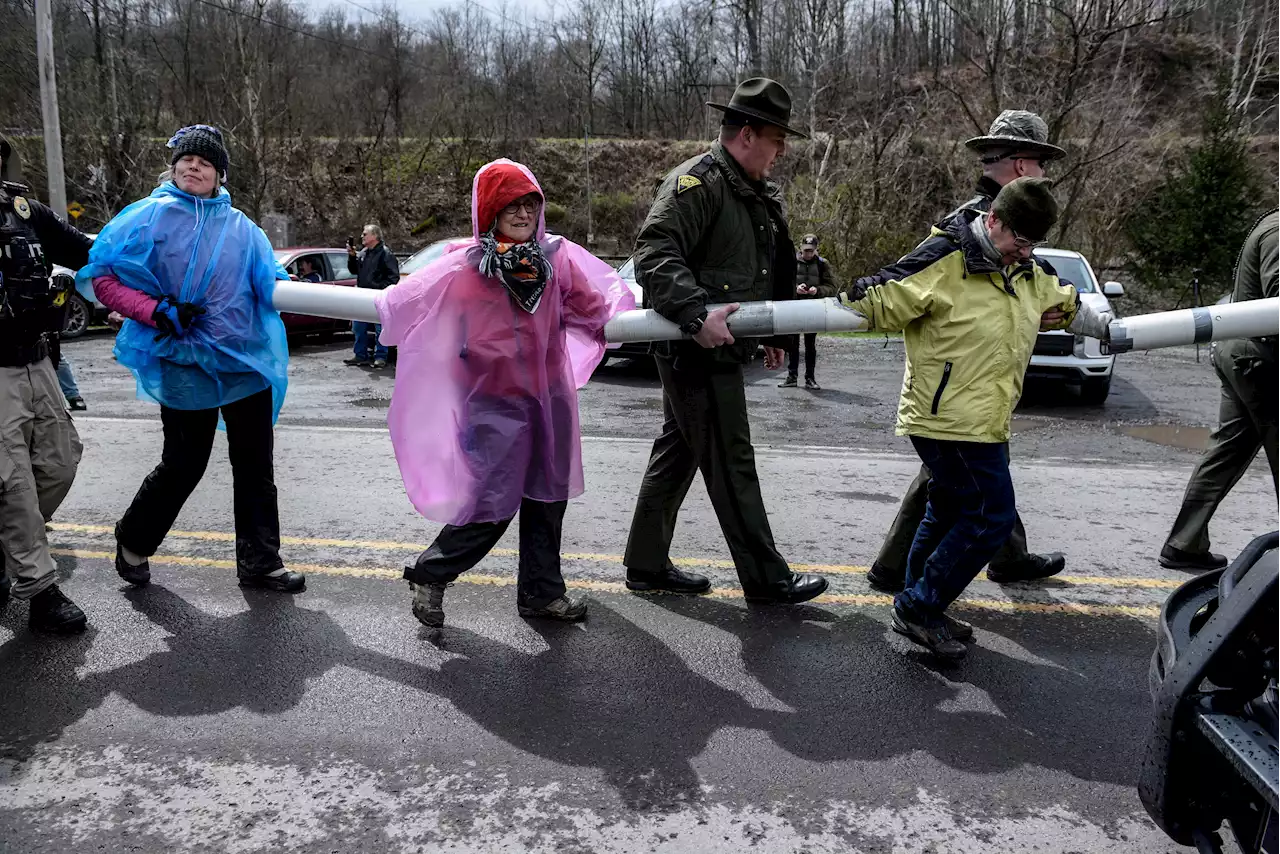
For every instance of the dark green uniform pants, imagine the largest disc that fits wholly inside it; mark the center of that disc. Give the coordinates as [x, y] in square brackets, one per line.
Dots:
[1246, 422]
[705, 428]
[893, 554]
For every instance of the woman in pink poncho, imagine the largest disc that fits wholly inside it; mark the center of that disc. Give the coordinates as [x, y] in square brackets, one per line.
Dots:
[495, 338]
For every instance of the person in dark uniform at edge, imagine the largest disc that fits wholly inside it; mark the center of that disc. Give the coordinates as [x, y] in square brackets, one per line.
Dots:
[717, 233]
[39, 446]
[814, 280]
[1016, 146]
[1247, 370]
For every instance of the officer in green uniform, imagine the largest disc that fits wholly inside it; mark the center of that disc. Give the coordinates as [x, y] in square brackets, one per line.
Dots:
[1246, 414]
[717, 234]
[1015, 146]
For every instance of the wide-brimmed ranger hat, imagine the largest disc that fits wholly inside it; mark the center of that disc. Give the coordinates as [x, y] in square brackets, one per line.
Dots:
[763, 100]
[1017, 130]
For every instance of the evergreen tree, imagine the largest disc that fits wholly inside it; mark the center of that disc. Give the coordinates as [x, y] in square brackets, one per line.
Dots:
[1201, 215]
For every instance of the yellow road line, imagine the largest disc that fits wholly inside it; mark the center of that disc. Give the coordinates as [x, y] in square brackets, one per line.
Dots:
[594, 557]
[618, 587]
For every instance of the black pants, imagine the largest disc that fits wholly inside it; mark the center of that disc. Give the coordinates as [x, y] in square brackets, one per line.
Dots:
[810, 354]
[460, 547]
[705, 429]
[188, 441]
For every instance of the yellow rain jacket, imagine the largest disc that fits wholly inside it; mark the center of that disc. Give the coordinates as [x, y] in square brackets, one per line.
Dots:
[969, 327]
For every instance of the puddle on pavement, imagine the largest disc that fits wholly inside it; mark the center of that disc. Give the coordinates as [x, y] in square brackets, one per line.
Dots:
[372, 402]
[648, 404]
[1022, 425]
[878, 497]
[1173, 436]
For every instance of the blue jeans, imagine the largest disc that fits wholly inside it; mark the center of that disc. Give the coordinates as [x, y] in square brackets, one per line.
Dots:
[969, 516]
[67, 380]
[361, 331]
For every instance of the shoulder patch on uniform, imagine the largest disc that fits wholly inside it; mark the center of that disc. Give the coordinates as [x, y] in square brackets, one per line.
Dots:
[686, 182]
[20, 205]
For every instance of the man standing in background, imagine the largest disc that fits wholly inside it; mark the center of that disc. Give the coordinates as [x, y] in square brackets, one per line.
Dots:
[374, 267]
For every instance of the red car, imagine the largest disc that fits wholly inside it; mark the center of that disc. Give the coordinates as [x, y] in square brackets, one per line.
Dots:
[331, 267]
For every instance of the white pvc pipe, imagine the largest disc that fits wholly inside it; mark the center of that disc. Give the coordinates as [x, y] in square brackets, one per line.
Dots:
[751, 320]
[336, 301]
[1251, 319]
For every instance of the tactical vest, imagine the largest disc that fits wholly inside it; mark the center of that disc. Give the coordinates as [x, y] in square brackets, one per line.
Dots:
[30, 303]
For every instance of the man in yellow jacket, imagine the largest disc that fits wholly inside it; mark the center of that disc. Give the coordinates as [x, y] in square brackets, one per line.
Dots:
[969, 317]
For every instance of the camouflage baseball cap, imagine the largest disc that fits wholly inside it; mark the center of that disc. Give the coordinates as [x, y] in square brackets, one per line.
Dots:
[1017, 130]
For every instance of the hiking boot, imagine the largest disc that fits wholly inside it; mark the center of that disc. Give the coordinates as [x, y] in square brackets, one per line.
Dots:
[564, 609]
[1029, 568]
[812, 384]
[428, 603]
[670, 580]
[1174, 558]
[379, 363]
[51, 611]
[77, 404]
[960, 630]
[138, 576]
[886, 580]
[358, 362]
[281, 580]
[936, 637]
[789, 382]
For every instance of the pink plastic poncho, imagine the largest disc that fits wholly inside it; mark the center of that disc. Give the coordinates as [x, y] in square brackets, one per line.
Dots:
[485, 407]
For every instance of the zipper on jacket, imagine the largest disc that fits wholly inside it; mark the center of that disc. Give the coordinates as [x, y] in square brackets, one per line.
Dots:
[942, 386]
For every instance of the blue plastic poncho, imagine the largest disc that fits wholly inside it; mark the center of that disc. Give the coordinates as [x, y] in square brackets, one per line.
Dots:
[205, 252]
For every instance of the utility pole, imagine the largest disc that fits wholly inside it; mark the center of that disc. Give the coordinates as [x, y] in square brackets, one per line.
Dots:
[49, 108]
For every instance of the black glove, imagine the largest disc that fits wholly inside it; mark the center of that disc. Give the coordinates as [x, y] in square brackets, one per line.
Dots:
[175, 318]
[858, 289]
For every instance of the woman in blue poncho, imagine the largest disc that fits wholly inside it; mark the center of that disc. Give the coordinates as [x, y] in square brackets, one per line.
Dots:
[194, 276]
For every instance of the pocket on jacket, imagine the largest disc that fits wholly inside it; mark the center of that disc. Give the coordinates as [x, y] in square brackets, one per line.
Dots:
[942, 386]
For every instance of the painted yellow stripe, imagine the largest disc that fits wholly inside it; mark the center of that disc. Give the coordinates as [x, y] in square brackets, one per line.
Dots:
[862, 599]
[595, 557]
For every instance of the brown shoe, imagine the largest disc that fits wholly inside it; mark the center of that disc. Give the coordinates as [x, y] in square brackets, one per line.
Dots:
[564, 609]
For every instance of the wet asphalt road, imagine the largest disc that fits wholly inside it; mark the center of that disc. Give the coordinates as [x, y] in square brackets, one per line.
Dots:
[197, 717]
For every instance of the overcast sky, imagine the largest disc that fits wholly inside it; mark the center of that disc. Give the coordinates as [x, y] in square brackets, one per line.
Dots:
[419, 11]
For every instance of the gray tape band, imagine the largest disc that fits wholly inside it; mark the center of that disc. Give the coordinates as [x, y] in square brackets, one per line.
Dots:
[1203, 320]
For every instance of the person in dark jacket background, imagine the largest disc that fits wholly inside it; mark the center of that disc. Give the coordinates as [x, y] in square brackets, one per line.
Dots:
[814, 280]
[374, 266]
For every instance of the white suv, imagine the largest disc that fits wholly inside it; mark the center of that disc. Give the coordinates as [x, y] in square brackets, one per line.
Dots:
[1074, 358]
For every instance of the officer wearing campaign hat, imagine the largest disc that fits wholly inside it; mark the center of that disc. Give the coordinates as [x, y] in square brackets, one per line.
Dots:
[716, 234]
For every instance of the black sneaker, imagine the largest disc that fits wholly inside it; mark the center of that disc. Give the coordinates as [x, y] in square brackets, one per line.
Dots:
[1174, 558]
[670, 580]
[886, 580]
[5, 586]
[812, 384]
[960, 630]
[51, 611]
[287, 581]
[936, 637]
[357, 362]
[789, 382]
[138, 576]
[77, 404]
[428, 603]
[563, 609]
[1030, 568]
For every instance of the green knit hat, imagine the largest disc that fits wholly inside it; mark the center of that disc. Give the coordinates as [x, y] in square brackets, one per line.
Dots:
[1027, 206]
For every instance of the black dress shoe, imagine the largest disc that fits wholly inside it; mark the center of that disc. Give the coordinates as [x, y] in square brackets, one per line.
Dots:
[138, 576]
[1174, 558]
[285, 582]
[800, 587]
[51, 611]
[885, 580]
[670, 580]
[5, 586]
[1029, 568]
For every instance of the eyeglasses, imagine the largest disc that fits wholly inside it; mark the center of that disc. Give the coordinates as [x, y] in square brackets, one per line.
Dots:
[530, 205]
[1039, 161]
[1025, 243]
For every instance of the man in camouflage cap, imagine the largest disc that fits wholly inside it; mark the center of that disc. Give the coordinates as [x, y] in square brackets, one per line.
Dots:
[1015, 146]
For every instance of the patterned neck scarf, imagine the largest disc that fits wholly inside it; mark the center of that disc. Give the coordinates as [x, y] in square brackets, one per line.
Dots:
[522, 268]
